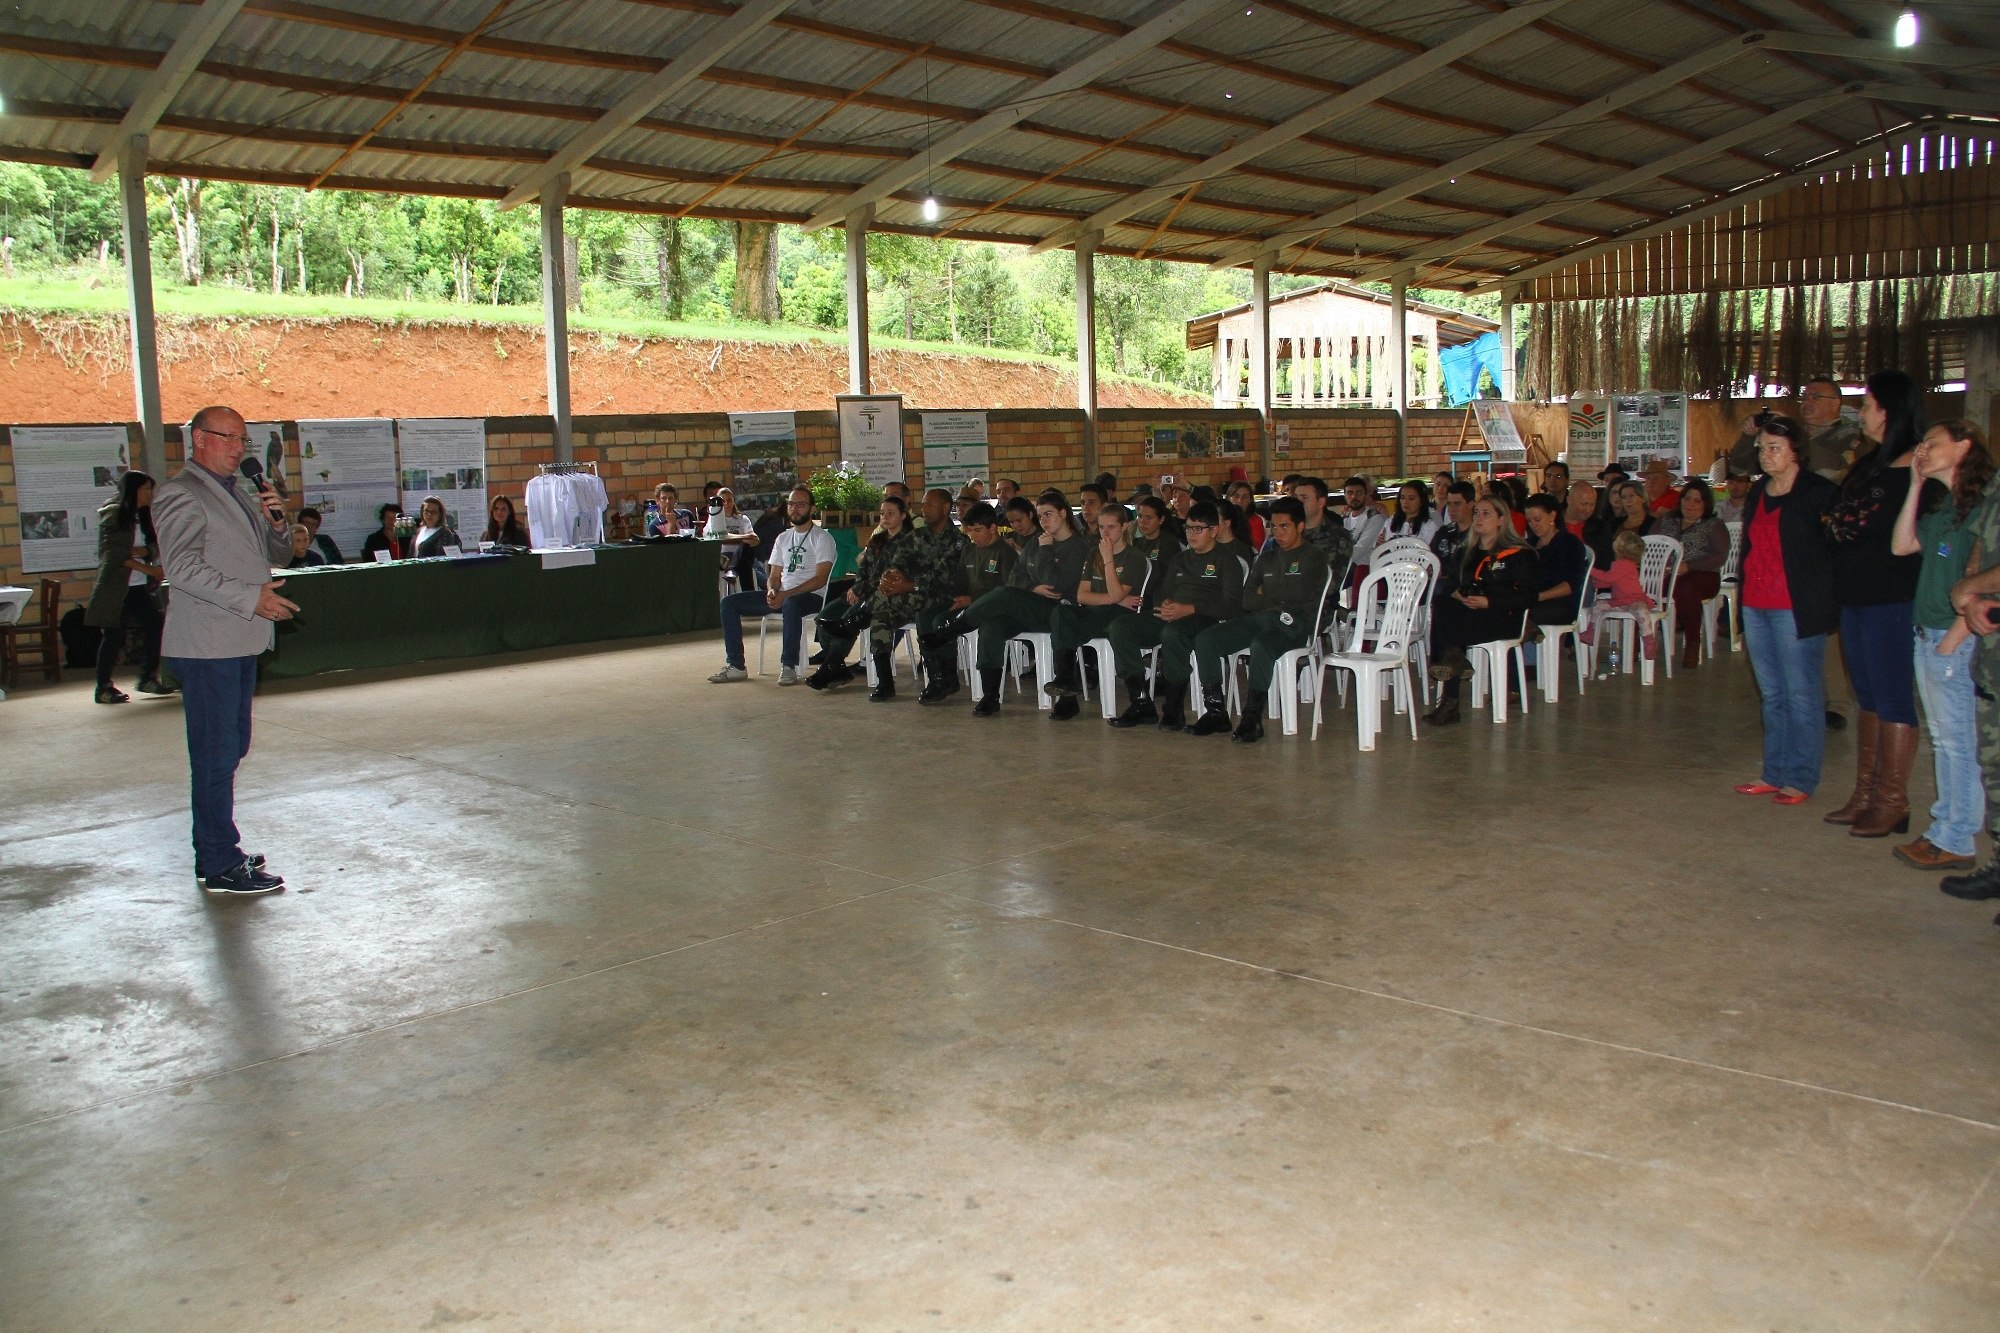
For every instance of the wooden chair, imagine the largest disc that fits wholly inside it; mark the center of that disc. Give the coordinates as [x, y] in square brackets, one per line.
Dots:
[35, 637]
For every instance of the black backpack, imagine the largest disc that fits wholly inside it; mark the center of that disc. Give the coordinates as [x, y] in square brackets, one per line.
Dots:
[79, 640]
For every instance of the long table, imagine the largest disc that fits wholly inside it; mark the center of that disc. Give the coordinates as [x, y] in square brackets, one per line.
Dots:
[356, 616]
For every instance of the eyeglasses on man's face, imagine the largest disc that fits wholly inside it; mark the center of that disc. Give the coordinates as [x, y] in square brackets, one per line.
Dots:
[243, 440]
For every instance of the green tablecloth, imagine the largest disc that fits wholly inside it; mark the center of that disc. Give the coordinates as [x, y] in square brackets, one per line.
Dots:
[354, 616]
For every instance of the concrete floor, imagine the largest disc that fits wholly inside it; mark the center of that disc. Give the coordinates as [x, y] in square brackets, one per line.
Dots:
[607, 998]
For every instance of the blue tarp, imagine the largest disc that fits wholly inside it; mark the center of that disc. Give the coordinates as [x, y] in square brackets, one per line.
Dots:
[1463, 363]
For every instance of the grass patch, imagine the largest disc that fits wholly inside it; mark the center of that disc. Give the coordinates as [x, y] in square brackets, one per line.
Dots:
[83, 294]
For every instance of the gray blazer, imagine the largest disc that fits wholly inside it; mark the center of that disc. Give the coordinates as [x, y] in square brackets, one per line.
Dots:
[219, 549]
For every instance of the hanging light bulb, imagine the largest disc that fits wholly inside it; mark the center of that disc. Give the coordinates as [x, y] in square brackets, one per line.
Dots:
[930, 208]
[1906, 28]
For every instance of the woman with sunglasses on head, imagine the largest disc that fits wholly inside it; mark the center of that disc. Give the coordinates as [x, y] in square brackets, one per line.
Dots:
[1875, 588]
[1936, 524]
[1788, 610]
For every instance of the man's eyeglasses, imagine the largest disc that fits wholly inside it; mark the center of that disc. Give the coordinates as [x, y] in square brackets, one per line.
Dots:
[224, 435]
[1200, 527]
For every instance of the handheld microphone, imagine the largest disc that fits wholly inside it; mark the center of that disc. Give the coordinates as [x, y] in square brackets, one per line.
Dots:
[254, 471]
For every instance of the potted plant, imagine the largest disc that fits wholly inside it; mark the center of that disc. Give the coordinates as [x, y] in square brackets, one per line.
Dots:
[844, 497]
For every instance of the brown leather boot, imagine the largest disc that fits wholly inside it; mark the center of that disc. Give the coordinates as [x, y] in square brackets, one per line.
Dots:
[1867, 742]
[1889, 811]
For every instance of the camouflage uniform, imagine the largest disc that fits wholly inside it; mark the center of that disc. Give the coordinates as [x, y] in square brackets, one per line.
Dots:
[1335, 541]
[837, 630]
[1986, 659]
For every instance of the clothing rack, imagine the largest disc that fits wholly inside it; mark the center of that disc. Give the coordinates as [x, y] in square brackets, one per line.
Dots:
[566, 469]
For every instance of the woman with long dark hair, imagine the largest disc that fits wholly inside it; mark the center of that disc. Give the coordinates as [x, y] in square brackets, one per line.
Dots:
[128, 586]
[502, 527]
[877, 603]
[1413, 516]
[1935, 524]
[1875, 588]
[1048, 572]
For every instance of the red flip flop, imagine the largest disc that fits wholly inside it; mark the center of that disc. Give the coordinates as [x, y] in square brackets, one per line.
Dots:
[1797, 798]
[1754, 789]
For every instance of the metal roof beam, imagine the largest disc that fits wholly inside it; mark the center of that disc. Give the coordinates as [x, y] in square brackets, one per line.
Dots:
[1803, 176]
[1711, 147]
[725, 36]
[159, 88]
[1856, 48]
[1103, 60]
[1313, 118]
[1627, 93]
[1944, 99]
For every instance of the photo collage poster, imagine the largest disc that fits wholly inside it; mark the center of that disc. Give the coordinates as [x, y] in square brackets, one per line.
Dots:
[1648, 426]
[1197, 439]
[445, 457]
[348, 471]
[764, 459]
[63, 475]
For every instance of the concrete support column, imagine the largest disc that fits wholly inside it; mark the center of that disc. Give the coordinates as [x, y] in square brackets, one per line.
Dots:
[1508, 295]
[1264, 365]
[1982, 379]
[555, 313]
[1399, 345]
[139, 305]
[857, 299]
[1086, 347]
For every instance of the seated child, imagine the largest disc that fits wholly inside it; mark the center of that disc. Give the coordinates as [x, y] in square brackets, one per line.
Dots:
[1619, 590]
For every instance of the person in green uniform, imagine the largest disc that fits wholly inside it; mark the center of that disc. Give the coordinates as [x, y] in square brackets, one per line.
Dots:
[1198, 587]
[1049, 570]
[1019, 526]
[937, 582]
[985, 563]
[1323, 527]
[883, 598]
[1113, 587]
[1281, 603]
[1151, 537]
[1977, 598]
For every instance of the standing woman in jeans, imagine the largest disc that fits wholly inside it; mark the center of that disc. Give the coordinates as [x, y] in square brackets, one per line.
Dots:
[128, 581]
[1875, 588]
[1788, 609]
[1935, 524]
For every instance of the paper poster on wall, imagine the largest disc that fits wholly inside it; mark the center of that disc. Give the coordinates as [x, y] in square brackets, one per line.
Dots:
[1196, 439]
[764, 458]
[871, 435]
[267, 446]
[63, 475]
[1650, 425]
[1496, 427]
[349, 470]
[446, 457]
[1281, 438]
[1163, 441]
[955, 448]
[1589, 435]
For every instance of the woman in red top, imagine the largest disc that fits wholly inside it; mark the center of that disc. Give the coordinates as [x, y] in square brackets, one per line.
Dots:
[1788, 610]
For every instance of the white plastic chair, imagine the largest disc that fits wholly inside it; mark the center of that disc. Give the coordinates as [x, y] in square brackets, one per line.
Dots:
[1383, 657]
[1548, 642]
[1367, 616]
[906, 638]
[1657, 575]
[1041, 645]
[1489, 663]
[1726, 600]
[1298, 669]
[764, 633]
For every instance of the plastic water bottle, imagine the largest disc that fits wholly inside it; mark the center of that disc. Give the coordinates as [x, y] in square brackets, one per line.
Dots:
[1614, 654]
[652, 517]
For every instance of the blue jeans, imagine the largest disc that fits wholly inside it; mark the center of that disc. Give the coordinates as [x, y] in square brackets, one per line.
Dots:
[1875, 641]
[1950, 708]
[1788, 678]
[740, 604]
[215, 699]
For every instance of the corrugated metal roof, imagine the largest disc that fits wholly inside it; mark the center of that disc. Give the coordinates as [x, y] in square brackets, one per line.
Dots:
[868, 86]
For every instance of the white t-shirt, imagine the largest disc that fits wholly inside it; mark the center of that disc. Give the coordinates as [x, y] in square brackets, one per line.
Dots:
[796, 556]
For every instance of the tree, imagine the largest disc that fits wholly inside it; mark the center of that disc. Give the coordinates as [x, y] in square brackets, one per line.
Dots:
[756, 292]
[183, 200]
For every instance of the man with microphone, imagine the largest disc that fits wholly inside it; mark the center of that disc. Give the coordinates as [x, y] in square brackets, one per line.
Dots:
[220, 535]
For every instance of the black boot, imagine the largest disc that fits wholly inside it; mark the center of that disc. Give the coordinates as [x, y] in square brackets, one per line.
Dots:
[935, 691]
[1140, 711]
[1173, 698]
[1445, 713]
[989, 692]
[1250, 729]
[885, 679]
[830, 675]
[1981, 883]
[1064, 686]
[1214, 719]
[1064, 708]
